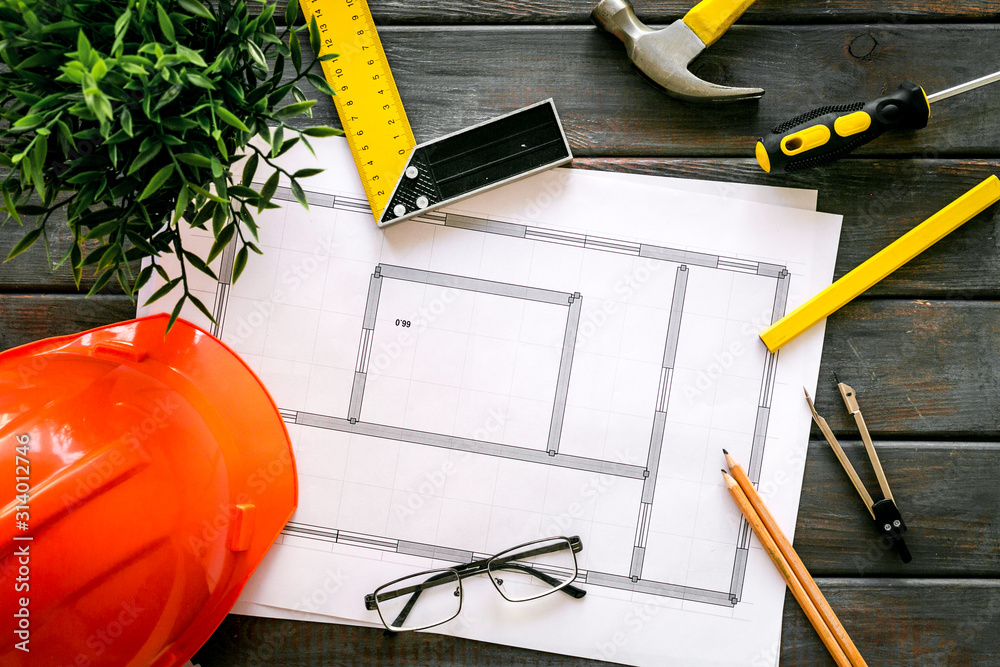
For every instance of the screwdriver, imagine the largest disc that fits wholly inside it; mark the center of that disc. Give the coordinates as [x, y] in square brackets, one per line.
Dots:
[829, 133]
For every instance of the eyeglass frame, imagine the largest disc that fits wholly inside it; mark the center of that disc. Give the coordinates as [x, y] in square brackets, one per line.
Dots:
[474, 568]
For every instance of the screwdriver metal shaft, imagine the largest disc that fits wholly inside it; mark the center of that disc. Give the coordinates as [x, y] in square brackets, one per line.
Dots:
[963, 88]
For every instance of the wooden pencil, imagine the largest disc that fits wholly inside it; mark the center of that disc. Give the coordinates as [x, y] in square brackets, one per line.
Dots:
[798, 592]
[795, 563]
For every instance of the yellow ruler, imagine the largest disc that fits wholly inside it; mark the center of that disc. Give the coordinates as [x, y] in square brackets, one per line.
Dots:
[367, 100]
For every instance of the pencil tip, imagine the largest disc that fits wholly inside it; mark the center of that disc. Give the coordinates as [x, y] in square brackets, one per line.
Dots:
[725, 452]
[724, 471]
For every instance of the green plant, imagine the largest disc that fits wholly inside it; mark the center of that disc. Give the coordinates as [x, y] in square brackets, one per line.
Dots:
[129, 114]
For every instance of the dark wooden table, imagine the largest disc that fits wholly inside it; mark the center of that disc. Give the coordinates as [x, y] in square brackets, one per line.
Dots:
[922, 348]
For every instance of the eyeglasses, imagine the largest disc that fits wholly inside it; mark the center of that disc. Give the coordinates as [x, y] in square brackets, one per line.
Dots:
[526, 572]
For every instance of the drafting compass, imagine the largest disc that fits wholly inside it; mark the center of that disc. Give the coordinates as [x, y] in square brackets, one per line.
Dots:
[887, 518]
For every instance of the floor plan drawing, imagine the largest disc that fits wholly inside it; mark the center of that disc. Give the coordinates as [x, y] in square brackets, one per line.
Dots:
[564, 356]
[371, 408]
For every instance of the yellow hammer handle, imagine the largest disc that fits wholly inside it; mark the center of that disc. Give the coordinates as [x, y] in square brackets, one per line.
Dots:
[882, 263]
[710, 18]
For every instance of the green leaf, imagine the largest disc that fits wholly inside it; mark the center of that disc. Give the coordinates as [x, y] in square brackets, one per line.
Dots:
[277, 139]
[142, 158]
[322, 131]
[320, 84]
[240, 263]
[220, 216]
[256, 53]
[195, 8]
[293, 109]
[200, 306]
[249, 169]
[328, 57]
[26, 242]
[198, 263]
[194, 160]
[30, 121]
[183, 198]
[200, 80]
[178, 124]
[176, 312]
[267, 191]
[103, 229]
[76, 263]
[8, 204]
[231, 119]
[206, 194]
[99, 69]
[169, 96]
[99, 284]
[142, 279]
[163, 291]
[244, 192]
[126, 121]
[166, 25]
[314, 38]
[121, 24]
[291, 12]
[300, 196]
[294, 46]
[222, 240]
[83, 50]
[204, 214]
[191, 56]
[155, 183]
[305, 173]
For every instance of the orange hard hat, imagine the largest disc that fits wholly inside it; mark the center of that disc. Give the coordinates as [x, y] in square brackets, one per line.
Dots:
[146, 474]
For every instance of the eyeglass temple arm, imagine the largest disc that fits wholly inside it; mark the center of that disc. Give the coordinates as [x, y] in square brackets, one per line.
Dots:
[569, 589]
[436, 580]
[478, 567]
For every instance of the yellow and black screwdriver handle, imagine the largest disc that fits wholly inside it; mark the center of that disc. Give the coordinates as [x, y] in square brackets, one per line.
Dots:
[829, 133]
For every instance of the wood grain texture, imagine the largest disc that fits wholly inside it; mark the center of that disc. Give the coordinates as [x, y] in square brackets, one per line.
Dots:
[880, 200]
[944, 491]
[389, 12]
[918, 366]
[904, 622]
[452, 77]
[24, 318]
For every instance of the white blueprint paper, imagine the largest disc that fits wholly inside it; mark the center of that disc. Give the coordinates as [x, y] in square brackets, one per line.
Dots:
[565, 355]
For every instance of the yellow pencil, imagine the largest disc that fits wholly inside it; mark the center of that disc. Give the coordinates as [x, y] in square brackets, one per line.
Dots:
[795, 563]
[794, 585]
[882, 263]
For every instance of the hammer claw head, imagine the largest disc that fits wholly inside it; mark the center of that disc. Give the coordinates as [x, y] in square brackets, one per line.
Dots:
[664, 55]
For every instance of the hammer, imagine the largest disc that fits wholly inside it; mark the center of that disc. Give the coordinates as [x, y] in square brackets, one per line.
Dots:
[664, 55]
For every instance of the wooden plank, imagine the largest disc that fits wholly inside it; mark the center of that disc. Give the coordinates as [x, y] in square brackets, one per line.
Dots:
[908, 622]
[918, 366]
[452, 77]
[944, 490]
[394, 12]
[24, 318]
[879, 199]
